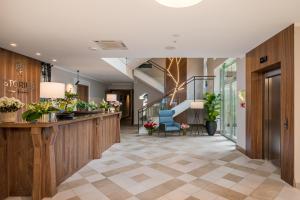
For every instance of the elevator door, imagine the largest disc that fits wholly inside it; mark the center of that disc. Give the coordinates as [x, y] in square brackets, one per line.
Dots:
[272, 124]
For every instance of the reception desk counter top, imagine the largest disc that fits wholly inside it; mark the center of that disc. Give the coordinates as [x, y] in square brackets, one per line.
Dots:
[36, 157]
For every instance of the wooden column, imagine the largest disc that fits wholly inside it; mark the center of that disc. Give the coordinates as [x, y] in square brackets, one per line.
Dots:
[3, 165]
[37, 184]
[50, 176]
[280, 54]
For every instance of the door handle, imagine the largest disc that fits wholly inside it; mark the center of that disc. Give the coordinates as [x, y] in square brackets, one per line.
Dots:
[286, 124]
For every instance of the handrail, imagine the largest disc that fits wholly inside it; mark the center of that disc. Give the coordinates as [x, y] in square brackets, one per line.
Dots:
[191, 79]
[157, 66]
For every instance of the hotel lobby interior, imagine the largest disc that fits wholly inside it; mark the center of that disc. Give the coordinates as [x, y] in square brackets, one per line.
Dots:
[149, 100]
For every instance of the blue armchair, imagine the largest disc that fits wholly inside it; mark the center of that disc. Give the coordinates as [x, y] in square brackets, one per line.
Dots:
[167, 123]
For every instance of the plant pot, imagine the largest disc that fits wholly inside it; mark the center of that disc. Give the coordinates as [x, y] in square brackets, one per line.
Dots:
[211, 127]
[65, 116]
[150, 132]
[8, 116]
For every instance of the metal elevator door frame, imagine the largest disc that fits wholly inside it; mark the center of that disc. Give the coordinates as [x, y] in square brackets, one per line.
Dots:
[272, 117]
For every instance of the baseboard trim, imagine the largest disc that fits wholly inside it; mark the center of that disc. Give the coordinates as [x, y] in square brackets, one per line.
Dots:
[240, 149]
[297, 185]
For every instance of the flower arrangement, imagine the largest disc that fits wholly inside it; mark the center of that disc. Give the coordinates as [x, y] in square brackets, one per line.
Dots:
[68, 103]
[37, 110]
[150, 126]
[82, 106]
[92, 106]
[10, 104]
[8, 109]
[116, 105]
[104, 105]
[184, 127]
[242, 97]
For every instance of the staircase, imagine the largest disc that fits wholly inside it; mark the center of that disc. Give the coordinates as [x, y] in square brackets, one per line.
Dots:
[151, 74]
[195, 92]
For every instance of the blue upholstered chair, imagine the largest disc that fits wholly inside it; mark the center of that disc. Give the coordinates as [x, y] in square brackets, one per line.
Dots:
[167, 123]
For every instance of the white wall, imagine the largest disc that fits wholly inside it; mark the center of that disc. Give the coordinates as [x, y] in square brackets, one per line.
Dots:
[297, 106]
[141, 88]
[241, 112]
[119, 86]
[195, 68]
[96, 89]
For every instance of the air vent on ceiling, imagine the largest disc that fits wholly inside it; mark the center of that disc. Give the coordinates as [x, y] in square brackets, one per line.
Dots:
[111, 45]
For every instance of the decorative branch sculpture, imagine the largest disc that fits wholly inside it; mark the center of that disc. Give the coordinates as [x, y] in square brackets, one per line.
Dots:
[175, 78]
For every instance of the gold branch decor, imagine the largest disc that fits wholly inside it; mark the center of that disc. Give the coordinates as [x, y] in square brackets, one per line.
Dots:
[176, 77]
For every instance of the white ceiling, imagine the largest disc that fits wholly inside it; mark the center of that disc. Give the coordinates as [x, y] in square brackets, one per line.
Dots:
[64, 29]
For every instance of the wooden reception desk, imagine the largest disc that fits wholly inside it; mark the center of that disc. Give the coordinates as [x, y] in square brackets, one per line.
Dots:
[36, 158]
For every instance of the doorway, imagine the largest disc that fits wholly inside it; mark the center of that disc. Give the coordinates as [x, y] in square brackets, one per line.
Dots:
[83, 92]
[229, 103]
[272, 117]
[126, 98]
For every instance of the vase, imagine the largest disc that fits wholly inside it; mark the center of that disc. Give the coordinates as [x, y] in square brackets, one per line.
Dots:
[8, 116]
[150, 132]
[211, 127]
[184, 132]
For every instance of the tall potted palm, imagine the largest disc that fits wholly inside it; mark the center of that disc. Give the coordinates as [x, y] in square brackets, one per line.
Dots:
[212, 106]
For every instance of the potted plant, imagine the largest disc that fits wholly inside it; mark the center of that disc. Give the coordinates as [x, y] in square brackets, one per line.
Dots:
[35, 111]
[150, 127]
[184, 127]
[212, 107]
[104, 106]
[9, 108]
[66, 106]
[92, 106]
[117, 105]
[82, 106]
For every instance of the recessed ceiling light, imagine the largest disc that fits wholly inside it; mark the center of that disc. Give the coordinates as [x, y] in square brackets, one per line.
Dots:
[179, 3]
[170, 48]
[54, 60]
[13, 44]
[37, 53]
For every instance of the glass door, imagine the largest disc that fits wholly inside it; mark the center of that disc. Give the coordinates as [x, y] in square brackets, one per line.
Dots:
[229, 94]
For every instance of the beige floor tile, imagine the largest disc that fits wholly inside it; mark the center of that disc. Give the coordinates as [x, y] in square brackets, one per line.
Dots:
[268, 190]
[232, 177]
[186, 178]
[184, 168]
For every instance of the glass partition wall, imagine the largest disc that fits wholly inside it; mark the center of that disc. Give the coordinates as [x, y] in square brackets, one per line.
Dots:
[228, 86]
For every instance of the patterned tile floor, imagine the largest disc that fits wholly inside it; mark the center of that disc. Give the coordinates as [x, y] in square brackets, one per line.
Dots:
[175, 168]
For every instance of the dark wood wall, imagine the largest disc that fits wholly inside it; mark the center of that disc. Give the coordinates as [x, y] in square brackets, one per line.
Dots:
[177, 67]
[280, 52]
[25, 70]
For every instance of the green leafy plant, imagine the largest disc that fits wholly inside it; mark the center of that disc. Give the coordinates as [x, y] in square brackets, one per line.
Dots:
[36, 110]
[68, 103]
[10, 104]
[92, 106]
[212, 106]
[104, 105]
[82, 105]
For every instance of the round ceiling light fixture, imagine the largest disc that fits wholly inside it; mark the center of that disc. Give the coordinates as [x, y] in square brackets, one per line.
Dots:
[179, 3]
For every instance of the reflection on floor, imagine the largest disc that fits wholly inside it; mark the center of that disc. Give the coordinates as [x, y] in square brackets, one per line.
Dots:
[175, 168]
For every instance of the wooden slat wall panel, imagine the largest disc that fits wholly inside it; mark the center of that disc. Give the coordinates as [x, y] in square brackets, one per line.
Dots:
[170, 85]
[3, 165]
[280, 52]
[72, 145]
[74, 148]
[31, 74]
[19, 161]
